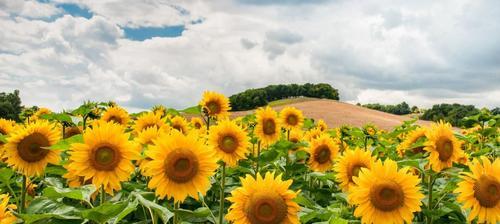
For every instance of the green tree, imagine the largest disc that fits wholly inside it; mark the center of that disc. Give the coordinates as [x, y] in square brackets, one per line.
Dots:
[10, 105]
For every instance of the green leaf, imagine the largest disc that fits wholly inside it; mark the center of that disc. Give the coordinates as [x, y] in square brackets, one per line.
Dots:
[65, 144]
[268, 156]
[163, 212]
[42, 208]
[130, 208]
[82, 193]
[5, 175]
[305, 202]
[3, 138]
[192, 110]
[55, 170]
[104, 212]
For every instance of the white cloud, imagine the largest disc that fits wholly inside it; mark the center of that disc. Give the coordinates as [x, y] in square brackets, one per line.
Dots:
[422, 53]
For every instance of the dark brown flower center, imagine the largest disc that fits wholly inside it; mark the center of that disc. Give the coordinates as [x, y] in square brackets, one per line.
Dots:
[150, 126]
[181, 166]
[445, 149]
[30, 148]
[3, 132]
[115, 119]
[322, 154]
[266, 209]
[354, 171]
[105, 158]
[269, 126]
[487, 191]
[178, 127]
[292, 119]
[72, 131]
[213, 107]
[228, 143]
[387, 196]
[197, 125]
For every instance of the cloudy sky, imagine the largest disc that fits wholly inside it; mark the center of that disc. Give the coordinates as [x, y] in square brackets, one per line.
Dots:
[139, 53]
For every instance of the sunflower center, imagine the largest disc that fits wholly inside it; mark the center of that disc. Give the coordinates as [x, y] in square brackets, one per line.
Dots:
[387, 196]
[181, 166]
[354, 171]
[30, 148]
[487, 191]
[106, 158]
[266, 209]
[177, 127]
[228, 143]
[292, 119]
[115, 119]
[197, 125]
[445, 149]
[322, 154]
[3, 132]
[213, 107]
[150, 126]
[72, 131]
[269, 126]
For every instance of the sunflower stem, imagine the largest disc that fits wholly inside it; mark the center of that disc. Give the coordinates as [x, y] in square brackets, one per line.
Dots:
[258, 158]
[176, 215]
[23, 195]
[103, 195]
[222, 186]
[429, 203]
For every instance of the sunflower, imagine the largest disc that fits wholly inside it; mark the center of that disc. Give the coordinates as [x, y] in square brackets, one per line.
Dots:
[349, 164]
[72, 131]
[215, 104]
[263, 200]
[229, 141]
[296, 136]
[159, 109]
[148, 135]
[105, 156]
[443, 146]
[181, 166]
[148, 120]
[291, 118]
[322, 151]
[6, 216]
[411, 139]
[313, 134]
[197, 123]
[6, 126]
[322, 125]
[268, 128]
[27, 148]
[180, 124]
[384, 194]
[480, 190]
[39, 113]
[116, 114]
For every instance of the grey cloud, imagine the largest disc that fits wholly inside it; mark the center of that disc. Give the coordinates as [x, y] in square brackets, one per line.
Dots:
[247, 44]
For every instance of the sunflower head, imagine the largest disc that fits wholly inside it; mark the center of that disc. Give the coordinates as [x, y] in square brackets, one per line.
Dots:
[6, 215]
[263, 200]
[72, 131]
[105, 156]
[215, 104]
[384, 194]
[27, 149]
[117, 115]
[291, 117]
[159, 109]
[6, 126]
[180, 166]
[180, 124]
[148, 135]
[40, 112]
[444, 147]
[321, 125]
[480, 190]
[197, 123]
[147, 120]
[322, 151]
[229, 142]
[349, 164]
[313, 134]
[268, 128]
[296, 136]
[412, 137]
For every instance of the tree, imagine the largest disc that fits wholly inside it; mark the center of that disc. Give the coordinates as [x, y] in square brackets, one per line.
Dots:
[10, 105]
[452, 113]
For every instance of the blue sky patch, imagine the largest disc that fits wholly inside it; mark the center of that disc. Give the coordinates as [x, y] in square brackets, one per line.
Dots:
[75, 10]
[143, 33]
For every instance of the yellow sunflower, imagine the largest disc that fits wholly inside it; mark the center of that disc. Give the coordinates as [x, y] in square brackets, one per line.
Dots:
[72, 131]
[411, 139]
[197, 123]
[263, 200]
[6, 126]
[268, 128]
[27, 148]
[443, 146]
[180, 124]
[6, 216]
[384, 194]
[105, 156]
[180, 167]
[39, 113]
[159, 109]
[148, 120]
[229, 141]
[480, 191]
[322, 151]
[148, 135]
[349, 164]
[215, 104]
[291, 118]
[296, 136]
[117, 115]
[322, 125]
[313, 134]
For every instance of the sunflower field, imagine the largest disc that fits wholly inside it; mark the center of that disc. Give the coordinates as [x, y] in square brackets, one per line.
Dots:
[101, 164]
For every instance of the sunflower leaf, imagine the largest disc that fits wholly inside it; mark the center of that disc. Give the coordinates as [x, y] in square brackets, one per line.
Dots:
[163, 212]
[105, 212]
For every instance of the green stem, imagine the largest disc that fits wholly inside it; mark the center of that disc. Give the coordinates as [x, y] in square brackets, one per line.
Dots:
[366, 142]
[258, 158]
[222, 186]
[63, 130]
[429, 203]
[23, 195]
[176, 216]
[103, 194]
